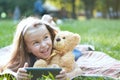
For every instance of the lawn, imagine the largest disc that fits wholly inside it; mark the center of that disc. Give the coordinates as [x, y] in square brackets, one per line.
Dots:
[101, 33]
[7, 28]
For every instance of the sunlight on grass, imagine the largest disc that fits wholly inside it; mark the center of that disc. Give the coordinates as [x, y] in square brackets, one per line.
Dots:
[103, 34]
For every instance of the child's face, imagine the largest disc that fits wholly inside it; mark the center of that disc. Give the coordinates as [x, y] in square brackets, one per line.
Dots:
[38, 41]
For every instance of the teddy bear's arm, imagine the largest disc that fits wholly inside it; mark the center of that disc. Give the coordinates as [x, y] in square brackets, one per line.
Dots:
[40, 63]
[67, 61]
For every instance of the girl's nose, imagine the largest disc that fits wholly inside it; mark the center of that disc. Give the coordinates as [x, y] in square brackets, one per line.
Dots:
[43, 44]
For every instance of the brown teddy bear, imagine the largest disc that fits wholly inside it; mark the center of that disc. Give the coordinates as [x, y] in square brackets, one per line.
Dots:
[62, 55]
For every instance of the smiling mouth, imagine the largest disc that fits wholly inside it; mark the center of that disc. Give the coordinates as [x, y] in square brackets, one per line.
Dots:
[45, 51]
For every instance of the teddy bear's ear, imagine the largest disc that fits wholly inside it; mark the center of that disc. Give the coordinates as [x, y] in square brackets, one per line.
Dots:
[77, 37]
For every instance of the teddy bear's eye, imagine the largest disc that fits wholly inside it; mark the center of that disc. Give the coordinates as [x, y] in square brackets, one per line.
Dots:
[63, 37]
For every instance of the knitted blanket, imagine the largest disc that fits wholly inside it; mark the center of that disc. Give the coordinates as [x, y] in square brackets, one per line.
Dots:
[99, 64]
[5, 54]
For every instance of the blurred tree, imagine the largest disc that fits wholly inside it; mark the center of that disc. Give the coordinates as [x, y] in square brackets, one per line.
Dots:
[73, 9]
[69, 6]
[117, 8]
[109, 8]
[3, 6]
[113, 8]
[26, 6]
[89, 6]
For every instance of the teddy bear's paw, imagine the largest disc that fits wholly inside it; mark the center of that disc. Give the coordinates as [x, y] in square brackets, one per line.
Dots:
[67, 69]
[40, 63]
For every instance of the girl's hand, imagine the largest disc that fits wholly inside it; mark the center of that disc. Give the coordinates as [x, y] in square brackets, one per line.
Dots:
[61, 76]
[22, 73]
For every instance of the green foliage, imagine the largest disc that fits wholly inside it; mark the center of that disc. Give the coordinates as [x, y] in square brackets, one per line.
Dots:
[47, 77]
[44, 77]
[9, 5]
[7, 76]
[30, 75]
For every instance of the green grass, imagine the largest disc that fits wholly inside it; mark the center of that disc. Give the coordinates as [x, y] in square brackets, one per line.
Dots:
[101, 33]
[8, 76]
[7, 28]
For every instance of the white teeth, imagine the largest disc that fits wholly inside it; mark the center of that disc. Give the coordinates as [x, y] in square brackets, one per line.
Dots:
[44, 50]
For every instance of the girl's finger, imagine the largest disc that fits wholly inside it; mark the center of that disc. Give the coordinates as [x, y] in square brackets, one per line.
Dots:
[62, 75]
[25, 65]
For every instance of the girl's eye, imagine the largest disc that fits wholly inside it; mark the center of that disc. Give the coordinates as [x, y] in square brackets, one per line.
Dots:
[46, 37]
[36, 43]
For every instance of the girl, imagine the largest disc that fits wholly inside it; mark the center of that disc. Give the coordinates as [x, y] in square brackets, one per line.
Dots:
[33, 40]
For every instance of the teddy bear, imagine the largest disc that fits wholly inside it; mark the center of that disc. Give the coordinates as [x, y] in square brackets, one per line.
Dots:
[61, 56]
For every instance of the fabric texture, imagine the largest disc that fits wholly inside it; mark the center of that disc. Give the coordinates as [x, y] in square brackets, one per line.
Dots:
[99, 64]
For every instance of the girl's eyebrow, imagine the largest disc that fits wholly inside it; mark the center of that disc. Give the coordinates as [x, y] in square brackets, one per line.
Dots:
[47, 34]
[33, 40]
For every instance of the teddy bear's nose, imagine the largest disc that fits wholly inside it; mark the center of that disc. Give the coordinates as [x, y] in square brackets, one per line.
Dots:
[58, 39]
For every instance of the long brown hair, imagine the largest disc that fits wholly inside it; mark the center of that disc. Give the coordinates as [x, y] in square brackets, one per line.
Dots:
[19, 52]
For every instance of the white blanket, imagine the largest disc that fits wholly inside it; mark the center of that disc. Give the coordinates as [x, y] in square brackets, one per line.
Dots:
[99, 63]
